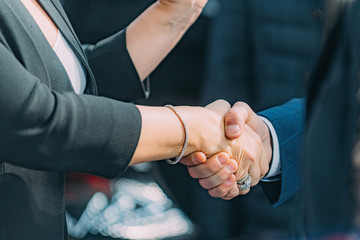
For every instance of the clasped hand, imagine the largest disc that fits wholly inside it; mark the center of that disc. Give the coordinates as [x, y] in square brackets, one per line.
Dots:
[246, 149]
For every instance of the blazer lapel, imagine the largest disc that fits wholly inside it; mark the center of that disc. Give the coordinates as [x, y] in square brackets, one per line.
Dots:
[57, 14]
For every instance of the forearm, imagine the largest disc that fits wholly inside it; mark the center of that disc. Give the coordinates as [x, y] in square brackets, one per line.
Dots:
[155, 32]
[162, 133]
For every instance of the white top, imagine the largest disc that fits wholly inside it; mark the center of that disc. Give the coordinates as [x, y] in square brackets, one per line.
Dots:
[71, 63]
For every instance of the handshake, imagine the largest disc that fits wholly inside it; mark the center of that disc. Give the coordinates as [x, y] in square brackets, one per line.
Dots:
[235, 149]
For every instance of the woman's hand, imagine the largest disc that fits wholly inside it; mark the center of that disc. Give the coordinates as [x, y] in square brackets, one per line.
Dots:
[206, 128]
[152, 35]
[199, 3]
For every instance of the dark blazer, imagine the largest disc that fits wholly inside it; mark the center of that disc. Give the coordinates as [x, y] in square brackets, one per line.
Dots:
[332, 113]
[46, 129]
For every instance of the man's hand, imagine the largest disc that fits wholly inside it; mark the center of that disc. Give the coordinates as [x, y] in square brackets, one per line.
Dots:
[239, 116]
[219, 173]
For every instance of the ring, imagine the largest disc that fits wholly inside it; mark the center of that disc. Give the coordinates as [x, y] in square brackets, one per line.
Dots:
[244, 183]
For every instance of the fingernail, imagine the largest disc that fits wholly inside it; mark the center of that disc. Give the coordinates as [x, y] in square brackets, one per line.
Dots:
[223, 160]
[233, 129]
[229, 181]
[230, 167]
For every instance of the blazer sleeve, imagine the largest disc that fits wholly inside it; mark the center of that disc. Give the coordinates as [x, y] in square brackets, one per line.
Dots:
[288, 121]
[114, 71]
[47, 130]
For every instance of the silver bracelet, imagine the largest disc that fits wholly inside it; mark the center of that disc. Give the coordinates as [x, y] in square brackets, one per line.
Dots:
[178, 158]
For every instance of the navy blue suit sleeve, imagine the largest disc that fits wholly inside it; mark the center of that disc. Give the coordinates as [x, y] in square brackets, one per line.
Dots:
[288, 121]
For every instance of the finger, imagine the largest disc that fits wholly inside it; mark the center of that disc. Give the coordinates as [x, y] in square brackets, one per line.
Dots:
[213, 165]
[243, 169]
[233, 192]
[252, 156]
[219, 106]
[241, 177]
[221, 190]
[254, 172]
[264, 164]
[243, 192]
[219, 177]
[235, 119]
[194, 159]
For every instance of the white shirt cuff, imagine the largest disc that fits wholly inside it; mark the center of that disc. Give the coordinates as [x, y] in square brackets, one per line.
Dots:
[275, 168]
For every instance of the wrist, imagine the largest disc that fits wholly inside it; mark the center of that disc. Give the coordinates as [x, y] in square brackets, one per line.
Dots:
[192, 117]
[206, 131]
[265, 136]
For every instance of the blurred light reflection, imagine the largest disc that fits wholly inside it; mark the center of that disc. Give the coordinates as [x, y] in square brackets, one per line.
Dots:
[136, 211]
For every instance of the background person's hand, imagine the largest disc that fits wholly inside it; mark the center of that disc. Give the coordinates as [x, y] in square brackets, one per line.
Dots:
[185, 8]
[184, 12]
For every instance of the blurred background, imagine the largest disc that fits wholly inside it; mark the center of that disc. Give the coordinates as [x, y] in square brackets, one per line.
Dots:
[256, 51]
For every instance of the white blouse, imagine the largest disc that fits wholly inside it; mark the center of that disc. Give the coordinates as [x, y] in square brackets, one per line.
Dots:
[71, 63]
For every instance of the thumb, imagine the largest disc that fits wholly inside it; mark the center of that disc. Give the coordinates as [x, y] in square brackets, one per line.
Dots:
[219, 106]
[236, 118]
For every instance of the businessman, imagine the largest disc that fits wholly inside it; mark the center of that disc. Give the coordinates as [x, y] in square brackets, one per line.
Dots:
[312, 140]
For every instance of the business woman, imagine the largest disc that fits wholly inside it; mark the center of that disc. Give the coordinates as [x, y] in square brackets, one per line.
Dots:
[63, 109]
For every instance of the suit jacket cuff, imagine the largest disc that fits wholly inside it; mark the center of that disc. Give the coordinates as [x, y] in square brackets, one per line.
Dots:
[288, 121]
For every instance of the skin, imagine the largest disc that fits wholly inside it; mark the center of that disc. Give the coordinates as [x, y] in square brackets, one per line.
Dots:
[42, 19]
[212, 173]
[158, 29]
